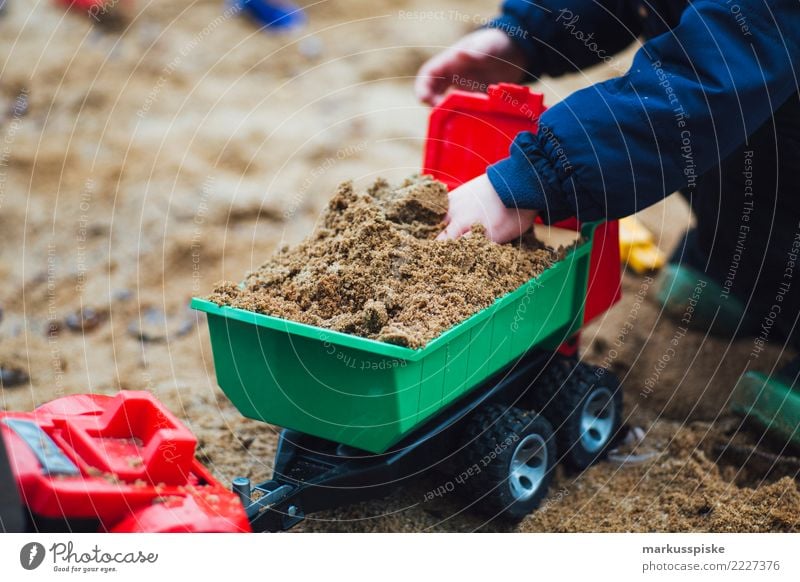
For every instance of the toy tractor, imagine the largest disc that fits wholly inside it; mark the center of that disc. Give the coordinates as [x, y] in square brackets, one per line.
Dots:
[103, 463]
[497, 401]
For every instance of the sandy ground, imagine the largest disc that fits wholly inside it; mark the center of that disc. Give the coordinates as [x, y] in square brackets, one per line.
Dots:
[139, 166]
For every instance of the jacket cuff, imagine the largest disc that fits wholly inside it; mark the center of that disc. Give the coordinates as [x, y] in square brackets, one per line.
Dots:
[526, 179]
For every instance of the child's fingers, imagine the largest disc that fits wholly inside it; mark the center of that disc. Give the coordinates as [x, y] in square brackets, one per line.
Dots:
[424, 83]
[423, 89]
[430, 89]
[453, 230]
[432, 78]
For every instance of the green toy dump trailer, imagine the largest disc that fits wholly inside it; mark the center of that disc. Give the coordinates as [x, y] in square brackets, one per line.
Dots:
[497, 400]
[369, 394]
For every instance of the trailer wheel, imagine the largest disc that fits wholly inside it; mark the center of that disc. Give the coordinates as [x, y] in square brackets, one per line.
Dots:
[511, 453]
[583, 405]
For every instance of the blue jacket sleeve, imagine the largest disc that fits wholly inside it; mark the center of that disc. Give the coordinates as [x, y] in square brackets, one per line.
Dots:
[691, 97]
[564, 36]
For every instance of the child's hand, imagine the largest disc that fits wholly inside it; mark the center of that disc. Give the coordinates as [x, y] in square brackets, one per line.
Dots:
[477, 202]
[476, 61]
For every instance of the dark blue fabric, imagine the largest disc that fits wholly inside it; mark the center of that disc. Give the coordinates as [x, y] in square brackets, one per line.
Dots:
[692, 96]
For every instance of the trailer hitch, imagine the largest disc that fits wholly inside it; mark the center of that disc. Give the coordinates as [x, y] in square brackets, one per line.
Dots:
[269, 505]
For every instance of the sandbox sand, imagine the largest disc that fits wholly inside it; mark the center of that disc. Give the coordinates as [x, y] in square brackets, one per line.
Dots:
[139, 166]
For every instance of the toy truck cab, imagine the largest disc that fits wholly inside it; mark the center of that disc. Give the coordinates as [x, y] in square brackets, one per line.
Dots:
[117, 464]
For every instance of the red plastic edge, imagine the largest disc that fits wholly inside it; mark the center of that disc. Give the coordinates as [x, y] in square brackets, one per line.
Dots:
[469, 131]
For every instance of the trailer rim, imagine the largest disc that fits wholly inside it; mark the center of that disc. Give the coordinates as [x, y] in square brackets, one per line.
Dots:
[528, 467]
[597, 419]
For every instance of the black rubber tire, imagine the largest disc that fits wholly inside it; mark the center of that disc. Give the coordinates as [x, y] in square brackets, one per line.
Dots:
[491, 437]
[560, 394]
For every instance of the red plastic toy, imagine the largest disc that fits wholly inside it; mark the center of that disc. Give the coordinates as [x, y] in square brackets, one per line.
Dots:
[479, 129]
[119, 463]
[85, 4]
[98, 10]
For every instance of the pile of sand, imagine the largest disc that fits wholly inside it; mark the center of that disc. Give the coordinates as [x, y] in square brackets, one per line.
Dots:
[373, 268]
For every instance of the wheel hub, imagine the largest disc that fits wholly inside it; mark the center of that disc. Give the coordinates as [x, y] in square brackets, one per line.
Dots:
[528, 467]
[597, 419]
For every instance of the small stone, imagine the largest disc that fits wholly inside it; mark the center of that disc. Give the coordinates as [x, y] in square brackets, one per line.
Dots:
[52, 328]
[156, 326]
[10, 377]
[122, 295]
[20, 105]
[84, 320]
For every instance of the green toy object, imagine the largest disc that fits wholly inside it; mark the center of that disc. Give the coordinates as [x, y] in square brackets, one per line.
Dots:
[691, 296]
[369, 394]
[770, 402]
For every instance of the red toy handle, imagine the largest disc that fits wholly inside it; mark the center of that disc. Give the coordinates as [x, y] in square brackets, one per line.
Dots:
[134, 438]
[469, 131]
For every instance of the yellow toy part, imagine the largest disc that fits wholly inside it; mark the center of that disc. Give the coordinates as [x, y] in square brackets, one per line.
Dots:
[637, 246]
